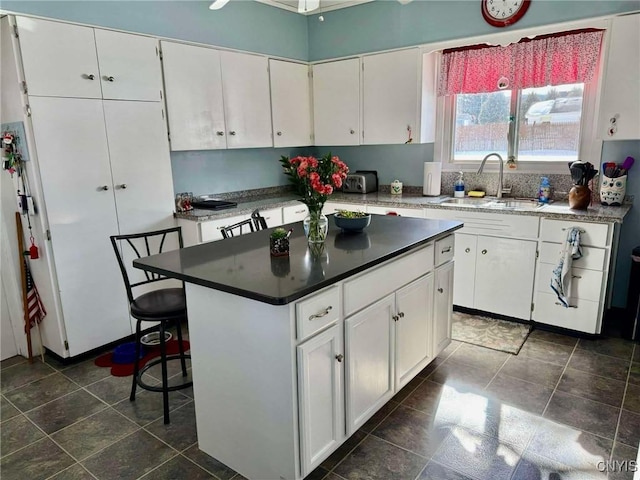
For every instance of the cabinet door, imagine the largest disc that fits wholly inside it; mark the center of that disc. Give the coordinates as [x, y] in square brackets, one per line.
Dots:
[193, 89]
[390, 97]
[465, 269]
[442, 307]
[59, 59]
[369, 340]
[320, 396]
[294, 213]
[414, 326]
[620, 97]
[247, 104]
[505, 270]
[290, 104]
[140, 165]
[81, 215]
[129, 66]
[336, 102]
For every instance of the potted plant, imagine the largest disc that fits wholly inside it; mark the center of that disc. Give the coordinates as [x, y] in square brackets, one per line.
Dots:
[350, 221]
[279, 242]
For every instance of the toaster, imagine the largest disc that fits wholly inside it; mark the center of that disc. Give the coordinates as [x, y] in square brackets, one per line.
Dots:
[361, 181]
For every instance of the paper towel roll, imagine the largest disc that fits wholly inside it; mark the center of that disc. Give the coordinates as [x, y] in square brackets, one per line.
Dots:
[432, 177]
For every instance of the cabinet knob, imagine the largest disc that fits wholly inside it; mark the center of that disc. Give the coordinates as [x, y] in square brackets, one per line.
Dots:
[321, 314]
[339, 357]
[232, 132]
[395, 318]
[440, 290]
[467, 250]
[279, 134]
[401, 314]
[109, 78]
[89, 76]
[484, 252]
[122, 186]
[352, 131]
[104, 187]
[219, 133]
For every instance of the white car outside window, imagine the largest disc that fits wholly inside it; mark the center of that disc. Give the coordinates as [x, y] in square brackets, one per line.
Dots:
[560, 110]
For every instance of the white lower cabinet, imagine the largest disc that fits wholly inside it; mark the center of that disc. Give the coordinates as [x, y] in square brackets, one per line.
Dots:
[321, 396]
[442, 302]
[294, 213]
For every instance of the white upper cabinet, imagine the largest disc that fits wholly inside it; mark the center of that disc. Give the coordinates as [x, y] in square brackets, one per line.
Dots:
[129, 66]
[290, 104]
[59, 59]
[336, 102]
[193, 82]
[620, 95]
[391, 100]
[62, 60]
[247, 104]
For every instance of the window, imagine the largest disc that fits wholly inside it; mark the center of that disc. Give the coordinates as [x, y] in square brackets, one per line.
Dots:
[530, 100]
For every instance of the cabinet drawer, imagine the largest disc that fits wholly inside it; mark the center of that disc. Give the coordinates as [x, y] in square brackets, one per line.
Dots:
[374, 285]
[402, 212]
[444, 250]
[210, 230]
[586, 284]
[315, 313]
[592, 258]
[294, 213]
[486, 223]
[595, 234]
[273, 217]
[583, 318]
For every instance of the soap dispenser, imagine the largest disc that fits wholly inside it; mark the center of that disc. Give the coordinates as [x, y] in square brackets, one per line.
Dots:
[544, 192]
[458, 187]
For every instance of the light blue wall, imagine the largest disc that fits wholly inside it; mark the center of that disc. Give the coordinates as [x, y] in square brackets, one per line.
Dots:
[386, 24]
[241, 24]
[630, 230]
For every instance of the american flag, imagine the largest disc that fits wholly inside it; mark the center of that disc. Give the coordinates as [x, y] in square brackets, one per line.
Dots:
[35, 307]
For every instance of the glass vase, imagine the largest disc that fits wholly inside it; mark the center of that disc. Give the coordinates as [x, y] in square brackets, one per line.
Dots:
[315, 227]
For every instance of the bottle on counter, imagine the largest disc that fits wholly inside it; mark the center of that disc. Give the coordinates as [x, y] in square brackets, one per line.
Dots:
[544, 191]
[458, 187]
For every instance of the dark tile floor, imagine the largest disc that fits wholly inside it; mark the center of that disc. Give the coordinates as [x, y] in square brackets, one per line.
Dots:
[553, 412]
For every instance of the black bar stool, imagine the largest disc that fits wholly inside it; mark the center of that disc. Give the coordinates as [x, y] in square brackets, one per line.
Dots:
[164, 306]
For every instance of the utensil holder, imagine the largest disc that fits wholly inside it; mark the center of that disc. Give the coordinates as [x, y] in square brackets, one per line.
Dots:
[612, 190]
[579, 197]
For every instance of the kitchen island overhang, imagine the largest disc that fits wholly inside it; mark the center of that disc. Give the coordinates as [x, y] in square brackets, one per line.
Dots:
[280, 350]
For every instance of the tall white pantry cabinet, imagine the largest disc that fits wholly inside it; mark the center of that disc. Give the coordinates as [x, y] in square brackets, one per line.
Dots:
[98, 140]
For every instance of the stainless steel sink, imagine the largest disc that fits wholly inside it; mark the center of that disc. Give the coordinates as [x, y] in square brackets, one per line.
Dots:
[465, 202]
[512, 204]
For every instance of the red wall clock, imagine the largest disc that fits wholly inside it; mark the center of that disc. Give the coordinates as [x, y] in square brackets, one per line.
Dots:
[501, 13]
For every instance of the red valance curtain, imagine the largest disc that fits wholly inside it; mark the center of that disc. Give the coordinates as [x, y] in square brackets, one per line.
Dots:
[570, 57]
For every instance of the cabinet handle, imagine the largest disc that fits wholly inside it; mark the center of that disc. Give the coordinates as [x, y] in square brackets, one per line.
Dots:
[88, 76]
[232, 132]
[123, 186]
[321, 314]
[447, 249]
[576, 276]
[339, 357]
[352, 131]
[109, 78]
[219, 133]
[300, 211]
[440, 290]
[279, 134]
[104, 188]
[484, 252]
[395, 318]
[467, 250]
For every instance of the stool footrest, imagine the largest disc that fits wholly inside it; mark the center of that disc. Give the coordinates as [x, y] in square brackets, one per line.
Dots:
[160, 388]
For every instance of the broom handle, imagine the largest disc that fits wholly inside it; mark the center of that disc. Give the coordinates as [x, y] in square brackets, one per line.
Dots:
[23, 275]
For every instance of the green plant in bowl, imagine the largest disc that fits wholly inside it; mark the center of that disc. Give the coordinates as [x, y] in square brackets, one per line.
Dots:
[350, 221]
[351, 214]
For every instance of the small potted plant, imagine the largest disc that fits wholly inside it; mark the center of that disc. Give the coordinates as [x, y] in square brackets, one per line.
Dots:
[279, 242]
[351, 221]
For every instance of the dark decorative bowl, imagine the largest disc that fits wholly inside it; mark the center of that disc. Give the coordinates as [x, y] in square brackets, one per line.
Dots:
[352, 224]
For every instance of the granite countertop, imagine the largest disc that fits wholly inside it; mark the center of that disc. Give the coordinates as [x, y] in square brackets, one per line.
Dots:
[243, 265]
[557, 210]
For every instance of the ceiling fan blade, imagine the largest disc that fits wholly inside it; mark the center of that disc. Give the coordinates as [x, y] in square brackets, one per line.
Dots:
[307, 5]
[218, 4]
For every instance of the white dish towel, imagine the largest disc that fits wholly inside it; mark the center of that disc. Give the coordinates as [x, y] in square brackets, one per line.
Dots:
[561, 276]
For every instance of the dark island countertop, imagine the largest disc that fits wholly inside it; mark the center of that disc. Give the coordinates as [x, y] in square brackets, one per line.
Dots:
[243, 266]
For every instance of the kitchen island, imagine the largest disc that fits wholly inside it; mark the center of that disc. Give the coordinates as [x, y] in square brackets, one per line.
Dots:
[291, 355]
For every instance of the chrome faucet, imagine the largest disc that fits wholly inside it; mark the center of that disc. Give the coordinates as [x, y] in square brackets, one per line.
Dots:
[500, 175]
